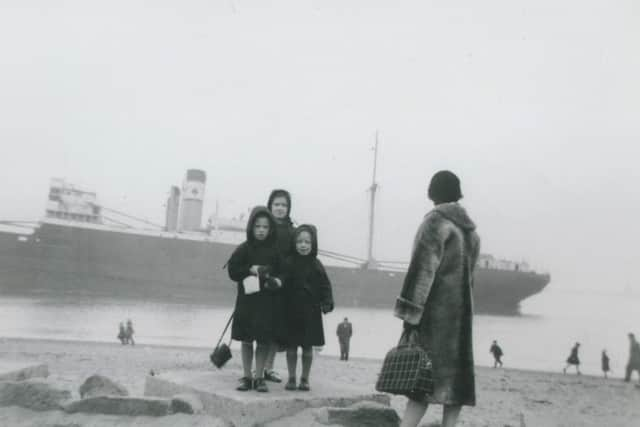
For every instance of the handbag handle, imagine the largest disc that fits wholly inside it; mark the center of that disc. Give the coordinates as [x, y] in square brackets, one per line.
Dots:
[225, 330]
[411, 338]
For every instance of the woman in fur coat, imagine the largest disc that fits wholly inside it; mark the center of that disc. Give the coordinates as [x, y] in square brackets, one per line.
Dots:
[436, 301]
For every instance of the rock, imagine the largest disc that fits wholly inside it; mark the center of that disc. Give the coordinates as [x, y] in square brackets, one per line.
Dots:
[20, 371]
[364, 414]
[118, 405]
[186, 403]
[98, 385]
[32, 394]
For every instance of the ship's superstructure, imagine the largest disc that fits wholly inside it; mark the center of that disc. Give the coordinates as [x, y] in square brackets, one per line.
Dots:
[192, 200]
[69, 202]
[173, 209]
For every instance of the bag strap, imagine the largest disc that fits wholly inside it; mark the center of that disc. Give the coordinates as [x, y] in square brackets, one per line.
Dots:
[225, 330]
[408, 338]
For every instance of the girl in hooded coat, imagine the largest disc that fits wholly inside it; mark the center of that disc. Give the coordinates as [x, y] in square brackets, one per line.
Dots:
[258, 316]
[279, 205]
[436, 301]
[308, 295]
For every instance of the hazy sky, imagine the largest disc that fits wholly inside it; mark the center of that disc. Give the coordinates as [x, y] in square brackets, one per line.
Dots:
[534, 104]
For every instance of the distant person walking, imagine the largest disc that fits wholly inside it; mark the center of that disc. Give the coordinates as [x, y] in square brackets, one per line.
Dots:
[605, 363]
[634, 358]
[129, 333]
[122, 334]
[436, 301]
[344, 332]
[497, 354]
[573, 359]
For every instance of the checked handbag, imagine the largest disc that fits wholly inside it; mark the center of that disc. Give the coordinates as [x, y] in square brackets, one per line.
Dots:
[406, 369]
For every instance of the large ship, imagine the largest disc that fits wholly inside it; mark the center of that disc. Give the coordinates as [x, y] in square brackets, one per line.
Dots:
[82, 249]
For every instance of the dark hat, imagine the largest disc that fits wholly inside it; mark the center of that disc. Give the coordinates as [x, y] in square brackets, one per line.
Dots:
[445, 187]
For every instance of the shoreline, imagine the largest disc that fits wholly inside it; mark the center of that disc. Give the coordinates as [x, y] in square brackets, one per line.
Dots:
[504, 396]
[114, 344]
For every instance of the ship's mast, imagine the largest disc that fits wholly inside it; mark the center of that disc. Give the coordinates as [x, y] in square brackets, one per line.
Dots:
[374, 186]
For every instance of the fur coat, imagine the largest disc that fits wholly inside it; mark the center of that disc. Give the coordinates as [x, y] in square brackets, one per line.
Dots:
[437, 296]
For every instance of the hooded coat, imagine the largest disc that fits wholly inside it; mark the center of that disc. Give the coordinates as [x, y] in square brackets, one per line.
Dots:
[307, 293]
[437, 298]
[284, 228]
[258, 316]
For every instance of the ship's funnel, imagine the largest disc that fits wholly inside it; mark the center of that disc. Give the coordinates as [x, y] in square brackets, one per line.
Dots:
[173, 209]
[192, 198]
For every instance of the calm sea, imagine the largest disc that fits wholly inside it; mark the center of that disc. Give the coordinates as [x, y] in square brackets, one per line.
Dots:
[539, 339]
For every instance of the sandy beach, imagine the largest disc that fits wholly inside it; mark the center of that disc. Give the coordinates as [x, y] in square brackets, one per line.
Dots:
[506, 397]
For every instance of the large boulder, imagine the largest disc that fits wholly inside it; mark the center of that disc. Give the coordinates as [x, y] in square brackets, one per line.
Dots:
[98, 385]
[364, 414]
[32, 394]
[118, 405]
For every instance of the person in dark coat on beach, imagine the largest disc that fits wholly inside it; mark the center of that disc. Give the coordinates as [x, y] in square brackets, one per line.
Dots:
[436, 301]
[258, 316]
[122, 334]
[129, 333]
[279, 204]
[344, 331]
[497, 354]
[604, 359]
[573, 359]
[634, 358]
[308, 296]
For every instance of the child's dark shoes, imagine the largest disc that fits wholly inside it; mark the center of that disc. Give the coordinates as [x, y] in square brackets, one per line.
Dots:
[261, 386]
[304, 385]
[291, 384]
[245, 384]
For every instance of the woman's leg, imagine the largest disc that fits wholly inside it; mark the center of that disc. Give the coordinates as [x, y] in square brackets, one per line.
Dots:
[450, 414]
[307, 358]
[271, 357]
[413, 413]
[247, 358]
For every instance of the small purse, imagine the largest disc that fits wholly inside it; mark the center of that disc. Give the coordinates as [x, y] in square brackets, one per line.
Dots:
[406, 369]
[222, 353]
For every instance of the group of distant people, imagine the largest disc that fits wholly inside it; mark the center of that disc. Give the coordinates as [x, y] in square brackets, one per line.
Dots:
[632, 365]
[125, 334]
[574, 358]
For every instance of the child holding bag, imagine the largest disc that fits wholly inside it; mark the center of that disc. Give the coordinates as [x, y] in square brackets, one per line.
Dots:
[258, 315]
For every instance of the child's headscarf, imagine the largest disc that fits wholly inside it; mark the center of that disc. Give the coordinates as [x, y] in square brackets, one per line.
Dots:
[257, 212]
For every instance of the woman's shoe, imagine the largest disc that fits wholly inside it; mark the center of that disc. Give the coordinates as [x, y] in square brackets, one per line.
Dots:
[291, 384]
[304, 385]
[245, 384]
[261, 386]
[272, 376]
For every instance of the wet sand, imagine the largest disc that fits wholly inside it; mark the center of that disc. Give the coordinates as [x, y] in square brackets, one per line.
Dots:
[505, 397]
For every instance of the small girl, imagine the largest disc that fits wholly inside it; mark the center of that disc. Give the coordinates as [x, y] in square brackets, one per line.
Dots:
[308, 295]
[258, 316]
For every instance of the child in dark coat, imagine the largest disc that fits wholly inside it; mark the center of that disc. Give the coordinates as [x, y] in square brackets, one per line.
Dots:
[308, 295]
[258, 316]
